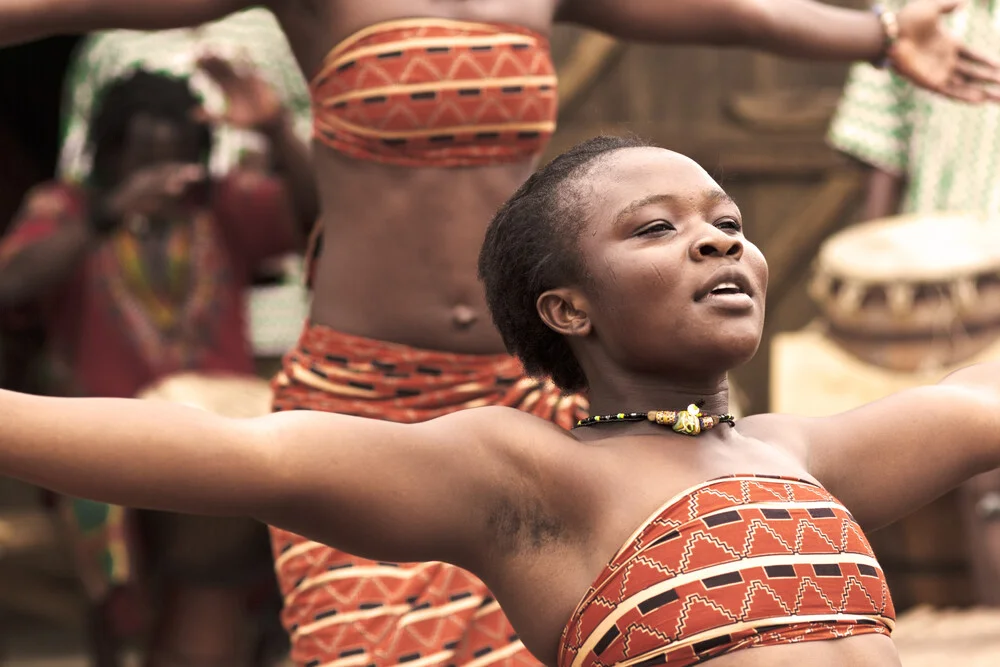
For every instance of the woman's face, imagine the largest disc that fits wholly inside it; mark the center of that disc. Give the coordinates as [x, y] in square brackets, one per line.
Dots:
[151, 141]
[673, 286]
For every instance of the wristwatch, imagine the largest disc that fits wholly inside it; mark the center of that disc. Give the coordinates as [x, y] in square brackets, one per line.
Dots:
[890, 31]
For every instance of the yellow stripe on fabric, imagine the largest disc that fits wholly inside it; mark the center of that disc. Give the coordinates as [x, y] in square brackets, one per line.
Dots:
[336, 124]
[750, 625]
[435, 86]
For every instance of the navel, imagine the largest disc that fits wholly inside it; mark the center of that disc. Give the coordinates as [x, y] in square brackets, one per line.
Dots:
[463, 316]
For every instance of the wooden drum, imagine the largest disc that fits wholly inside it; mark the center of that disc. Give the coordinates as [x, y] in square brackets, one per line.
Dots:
[912, 293]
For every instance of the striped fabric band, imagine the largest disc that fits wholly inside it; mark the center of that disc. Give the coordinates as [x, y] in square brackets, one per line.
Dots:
[732, 563]
[435, 92]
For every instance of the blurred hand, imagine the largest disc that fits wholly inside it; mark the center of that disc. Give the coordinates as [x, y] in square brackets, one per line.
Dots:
[251, 102]
[929, 56]
[154, 190]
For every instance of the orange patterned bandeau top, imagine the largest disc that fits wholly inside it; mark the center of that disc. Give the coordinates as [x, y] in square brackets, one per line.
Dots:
[436, 92]
[733, 563]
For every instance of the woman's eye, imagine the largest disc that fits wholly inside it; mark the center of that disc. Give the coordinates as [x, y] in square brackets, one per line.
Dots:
[730, 223]
[658, 227]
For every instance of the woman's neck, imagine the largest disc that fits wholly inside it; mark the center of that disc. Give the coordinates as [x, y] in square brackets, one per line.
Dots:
[712, 396]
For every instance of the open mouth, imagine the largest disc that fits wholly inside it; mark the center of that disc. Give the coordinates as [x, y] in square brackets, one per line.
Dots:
[728, 288]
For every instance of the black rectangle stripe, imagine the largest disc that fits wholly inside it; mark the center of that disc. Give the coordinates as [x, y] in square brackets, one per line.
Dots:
[483, 651]
[658, 601]
[428, 95]
[672, 535]
[709, 644]
[827, 570]
[361, 385]
[821, 513]
[375, 99]
[719, 580]
[779, 571]
[655, 660]
[349, 652]
[325, 614]
[606, 640]
[721, 518]
[770, 513]
[867, 570]
[390, 54]
[511, 89]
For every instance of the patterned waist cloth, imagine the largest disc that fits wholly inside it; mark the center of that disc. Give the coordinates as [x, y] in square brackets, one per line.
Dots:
[733, 563]
[347, 611]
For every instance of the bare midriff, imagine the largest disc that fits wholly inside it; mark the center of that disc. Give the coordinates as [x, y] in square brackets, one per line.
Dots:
[400, 244]
[400, 247]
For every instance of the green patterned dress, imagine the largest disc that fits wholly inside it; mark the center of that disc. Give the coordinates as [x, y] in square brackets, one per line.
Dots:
[948, 151]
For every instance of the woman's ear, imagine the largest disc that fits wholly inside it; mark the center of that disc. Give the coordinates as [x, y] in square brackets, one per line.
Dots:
[564, 310]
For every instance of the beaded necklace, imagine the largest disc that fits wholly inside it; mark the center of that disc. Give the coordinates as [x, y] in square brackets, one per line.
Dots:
[686, 422]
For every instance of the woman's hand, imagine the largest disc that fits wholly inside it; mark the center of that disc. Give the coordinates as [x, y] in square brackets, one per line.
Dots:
[932, 58]
[251, 102]
[149, 192]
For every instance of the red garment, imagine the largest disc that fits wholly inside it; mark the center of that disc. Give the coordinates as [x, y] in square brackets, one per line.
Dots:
[352, 612]
[430, 92]
[733, 563]
[250, 221]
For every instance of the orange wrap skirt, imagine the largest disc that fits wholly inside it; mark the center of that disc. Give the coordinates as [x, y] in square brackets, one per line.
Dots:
[347, 611]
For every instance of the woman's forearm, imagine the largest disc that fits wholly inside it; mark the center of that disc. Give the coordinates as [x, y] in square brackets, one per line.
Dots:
[27, 20]
[815, 30]
[145, 454]
[795, 28]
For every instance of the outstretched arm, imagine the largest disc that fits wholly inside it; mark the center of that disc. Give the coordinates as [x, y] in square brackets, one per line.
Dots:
[378, 489]
[27, 20]
[799, 28]
[888, 458]
[925, 52]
